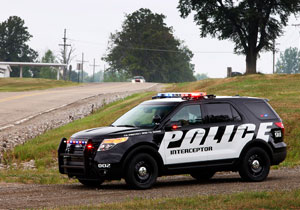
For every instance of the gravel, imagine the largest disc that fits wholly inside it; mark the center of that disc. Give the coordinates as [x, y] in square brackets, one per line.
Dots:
[41, 196]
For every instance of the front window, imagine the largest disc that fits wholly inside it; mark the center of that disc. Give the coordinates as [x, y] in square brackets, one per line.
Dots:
[142, 116]
[188, 115]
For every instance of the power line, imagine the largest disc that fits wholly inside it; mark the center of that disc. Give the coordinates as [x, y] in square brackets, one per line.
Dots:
[151, 49]
[175, 51]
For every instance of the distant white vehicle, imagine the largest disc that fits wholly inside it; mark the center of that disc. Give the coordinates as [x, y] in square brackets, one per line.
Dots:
[139, 79]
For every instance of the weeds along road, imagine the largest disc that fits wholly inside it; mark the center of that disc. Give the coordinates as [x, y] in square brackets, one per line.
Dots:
[20, 196]
[16, 106]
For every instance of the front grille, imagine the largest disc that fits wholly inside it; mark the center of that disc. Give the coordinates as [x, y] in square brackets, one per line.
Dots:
[75, 159]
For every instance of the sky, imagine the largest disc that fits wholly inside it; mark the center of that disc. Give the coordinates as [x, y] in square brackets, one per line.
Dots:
[90, 22]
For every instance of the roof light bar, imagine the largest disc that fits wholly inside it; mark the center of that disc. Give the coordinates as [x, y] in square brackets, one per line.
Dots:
[191, 95]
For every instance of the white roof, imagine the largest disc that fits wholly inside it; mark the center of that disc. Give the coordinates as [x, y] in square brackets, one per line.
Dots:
[32, 64]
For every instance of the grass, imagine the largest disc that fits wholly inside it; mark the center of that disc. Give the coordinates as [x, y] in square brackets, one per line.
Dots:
[282, 90]
[248, 200]
[27, 84]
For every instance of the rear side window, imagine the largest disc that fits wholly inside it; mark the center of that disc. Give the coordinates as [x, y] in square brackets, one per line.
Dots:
[261, 110]
[221, 112]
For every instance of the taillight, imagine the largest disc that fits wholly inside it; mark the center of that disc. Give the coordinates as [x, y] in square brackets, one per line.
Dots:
[280, 125]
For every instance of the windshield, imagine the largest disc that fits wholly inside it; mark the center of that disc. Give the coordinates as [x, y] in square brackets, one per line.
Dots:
[142, 116]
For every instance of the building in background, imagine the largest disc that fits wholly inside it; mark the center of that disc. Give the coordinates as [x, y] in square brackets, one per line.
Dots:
[5, 71]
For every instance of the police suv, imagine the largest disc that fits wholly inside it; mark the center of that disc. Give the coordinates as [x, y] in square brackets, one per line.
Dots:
[178, 133]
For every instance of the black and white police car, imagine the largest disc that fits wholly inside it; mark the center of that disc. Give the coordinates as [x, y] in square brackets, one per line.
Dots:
[178, 133]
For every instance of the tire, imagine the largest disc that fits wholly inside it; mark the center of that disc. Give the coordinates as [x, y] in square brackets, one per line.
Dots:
[203, 175]
[255, 165]
[91, 183]
[142, 171]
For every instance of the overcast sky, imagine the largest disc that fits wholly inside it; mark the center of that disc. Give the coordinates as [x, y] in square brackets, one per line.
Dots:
[90, 22]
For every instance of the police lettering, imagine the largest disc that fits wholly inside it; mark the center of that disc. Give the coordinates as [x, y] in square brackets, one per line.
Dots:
[199, 136]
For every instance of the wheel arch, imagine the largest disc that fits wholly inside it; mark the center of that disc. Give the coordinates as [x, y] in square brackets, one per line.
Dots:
[257, 143]
[143, 148]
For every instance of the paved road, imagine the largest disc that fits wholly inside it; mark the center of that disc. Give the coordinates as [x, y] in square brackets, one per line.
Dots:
[20, 196]
[16, 106]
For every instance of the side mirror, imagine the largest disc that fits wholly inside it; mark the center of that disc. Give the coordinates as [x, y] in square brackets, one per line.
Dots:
[156, 119]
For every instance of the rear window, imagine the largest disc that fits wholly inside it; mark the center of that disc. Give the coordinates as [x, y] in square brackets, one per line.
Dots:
[261, 110]
[221, 112]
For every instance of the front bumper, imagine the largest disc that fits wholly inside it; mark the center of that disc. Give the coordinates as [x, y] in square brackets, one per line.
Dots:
[84, 166]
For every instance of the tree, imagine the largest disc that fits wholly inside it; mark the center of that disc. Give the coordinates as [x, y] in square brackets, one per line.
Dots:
[48, 72]
[13, 38]
[251, 24]
[147, 47]
[66, 58]
[201, 76]
[288, 62]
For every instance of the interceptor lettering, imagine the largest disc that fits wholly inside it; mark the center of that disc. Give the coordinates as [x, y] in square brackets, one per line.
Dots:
[190, 150]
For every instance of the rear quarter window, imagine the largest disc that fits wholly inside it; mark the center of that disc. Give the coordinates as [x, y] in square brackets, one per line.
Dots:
[261, 110]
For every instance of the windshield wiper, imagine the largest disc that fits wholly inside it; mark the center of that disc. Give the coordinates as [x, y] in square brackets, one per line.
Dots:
[129, 126]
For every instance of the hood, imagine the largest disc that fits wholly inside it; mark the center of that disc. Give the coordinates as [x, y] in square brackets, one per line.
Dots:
[104, 132]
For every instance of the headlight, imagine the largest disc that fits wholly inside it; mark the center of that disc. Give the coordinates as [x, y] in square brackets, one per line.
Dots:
[110, 143]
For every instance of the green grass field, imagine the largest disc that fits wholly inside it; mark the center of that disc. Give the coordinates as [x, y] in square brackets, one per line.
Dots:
[282, 90]
[27, 84]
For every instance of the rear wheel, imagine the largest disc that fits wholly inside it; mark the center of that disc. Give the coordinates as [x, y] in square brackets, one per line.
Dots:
[91, 183]
[203, 175]
[255, 165]
[142, 171]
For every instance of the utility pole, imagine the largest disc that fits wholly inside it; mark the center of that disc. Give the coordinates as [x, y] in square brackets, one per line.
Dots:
[82, 62]
[103, 72]
[297, 25]
[94, 65]
[274, 51]
[65, 45]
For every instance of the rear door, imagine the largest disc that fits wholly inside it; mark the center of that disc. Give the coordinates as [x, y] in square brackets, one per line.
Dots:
[225, 132]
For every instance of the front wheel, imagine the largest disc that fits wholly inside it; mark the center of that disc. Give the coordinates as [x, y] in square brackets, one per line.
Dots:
[255, 165]
[91, 183]
[142, 171]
